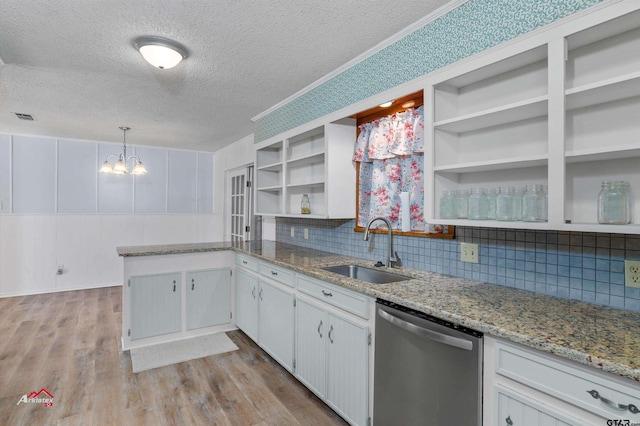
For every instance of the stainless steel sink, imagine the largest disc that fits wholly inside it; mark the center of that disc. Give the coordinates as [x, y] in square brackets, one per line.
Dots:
[369, 275]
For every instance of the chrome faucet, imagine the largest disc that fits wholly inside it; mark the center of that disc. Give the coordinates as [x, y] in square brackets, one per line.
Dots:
[392, 257]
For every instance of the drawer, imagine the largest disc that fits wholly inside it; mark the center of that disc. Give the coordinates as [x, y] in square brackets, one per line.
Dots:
[596, 394]
[515, 409]
[339, 297]
[278, 274]
[247, 262]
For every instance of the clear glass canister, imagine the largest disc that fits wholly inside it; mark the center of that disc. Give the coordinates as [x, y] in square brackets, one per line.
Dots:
[448, 205]
[534, 204]
[614, 203]
[305, 205]
[492, 193]
[505, 203]
[478, 204]
[517, 203]
[462, 200]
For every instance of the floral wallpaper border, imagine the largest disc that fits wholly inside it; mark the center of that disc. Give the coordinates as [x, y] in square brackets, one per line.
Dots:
[471, 28]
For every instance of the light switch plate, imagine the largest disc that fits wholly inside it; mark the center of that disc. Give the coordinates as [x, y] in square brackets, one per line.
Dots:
[306, 234]
[293, 231]
[632, 273]
[469, 252]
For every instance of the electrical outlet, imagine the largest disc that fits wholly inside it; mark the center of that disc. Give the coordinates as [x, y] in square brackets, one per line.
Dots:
[306, 234]
[293, 232]
[632, 273]
[469, 252]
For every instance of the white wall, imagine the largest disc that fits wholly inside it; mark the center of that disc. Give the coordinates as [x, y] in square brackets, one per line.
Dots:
[238, 154]
[32, 247]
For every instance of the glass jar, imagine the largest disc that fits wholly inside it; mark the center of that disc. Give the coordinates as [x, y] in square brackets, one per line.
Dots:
[613, 203]
[305, 205]
[626, 187]
[478, 204]
[492, 193]
[517, 203]
[533, 204]
[462, 200]
[448, 205]
[505, 203]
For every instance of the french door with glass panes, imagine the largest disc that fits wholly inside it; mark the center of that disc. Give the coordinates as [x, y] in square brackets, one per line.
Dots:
[240, 203]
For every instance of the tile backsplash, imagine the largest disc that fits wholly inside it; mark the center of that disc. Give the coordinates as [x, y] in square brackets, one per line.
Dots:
[576, 265]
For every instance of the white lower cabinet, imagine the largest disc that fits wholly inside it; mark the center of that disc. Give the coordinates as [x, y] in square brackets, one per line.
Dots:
[208, 296]
[175, 296]
[311, 346]
[156, 301]
[156, 304]
[513, 409]
[526, 387]
[318, 331]
[247, 303]
[265, 308]
[275, 322]
[332, 358]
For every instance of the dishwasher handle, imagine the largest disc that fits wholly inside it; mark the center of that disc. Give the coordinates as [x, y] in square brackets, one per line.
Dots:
[423, 332]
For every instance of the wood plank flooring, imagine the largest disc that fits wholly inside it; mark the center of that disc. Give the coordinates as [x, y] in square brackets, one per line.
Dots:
[69, 344]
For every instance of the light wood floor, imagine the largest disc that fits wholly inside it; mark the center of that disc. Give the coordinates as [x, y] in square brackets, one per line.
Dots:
[68, 343]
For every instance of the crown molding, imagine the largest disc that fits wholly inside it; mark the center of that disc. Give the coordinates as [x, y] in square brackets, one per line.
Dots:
[442, 10]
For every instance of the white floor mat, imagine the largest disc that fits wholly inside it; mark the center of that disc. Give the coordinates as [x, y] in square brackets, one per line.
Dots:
[183, 350]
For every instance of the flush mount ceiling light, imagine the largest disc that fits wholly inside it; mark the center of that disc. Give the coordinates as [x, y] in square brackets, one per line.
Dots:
[120, 167]
[386, 104]
[160, 52]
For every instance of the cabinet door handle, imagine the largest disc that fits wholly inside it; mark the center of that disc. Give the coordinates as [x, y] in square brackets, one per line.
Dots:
[319, 326]
[174, 286]
[620, 407]
[274, 273]
[193, 284]
[508, 420]
[244, 262]
[253, 292]
[260, 294]
[327, 294]
[330, 330]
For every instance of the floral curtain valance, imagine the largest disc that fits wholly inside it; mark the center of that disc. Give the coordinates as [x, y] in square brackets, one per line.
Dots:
[390, 152]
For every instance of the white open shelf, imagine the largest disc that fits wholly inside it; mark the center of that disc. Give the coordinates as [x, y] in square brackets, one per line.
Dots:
[613, 89]
[276, 188]
[317, 157]
[502, 164]
[306, 184]
[517, 111]
[491, 223]
[603, 153]
[273, 167]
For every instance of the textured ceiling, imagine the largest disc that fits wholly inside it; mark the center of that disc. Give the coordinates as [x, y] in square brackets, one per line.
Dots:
[71, 64]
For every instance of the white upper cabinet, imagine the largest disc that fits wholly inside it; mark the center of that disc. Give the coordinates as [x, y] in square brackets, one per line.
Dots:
[317, 163]
[602, 139]
[34, 174]
[560, 111]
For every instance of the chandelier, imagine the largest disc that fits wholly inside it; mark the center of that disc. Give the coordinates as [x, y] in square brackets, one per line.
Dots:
[120, 167]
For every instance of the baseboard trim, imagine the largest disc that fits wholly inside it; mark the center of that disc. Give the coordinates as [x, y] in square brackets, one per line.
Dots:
[57, 290]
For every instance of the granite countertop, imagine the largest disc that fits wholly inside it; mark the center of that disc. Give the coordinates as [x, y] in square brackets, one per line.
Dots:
[594, 335]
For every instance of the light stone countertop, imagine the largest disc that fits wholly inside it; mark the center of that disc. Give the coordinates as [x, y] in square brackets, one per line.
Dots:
[599, 336]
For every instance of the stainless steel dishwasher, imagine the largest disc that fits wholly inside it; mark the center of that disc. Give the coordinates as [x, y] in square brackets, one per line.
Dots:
[428, 371]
